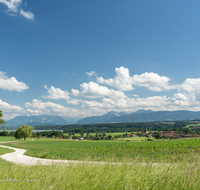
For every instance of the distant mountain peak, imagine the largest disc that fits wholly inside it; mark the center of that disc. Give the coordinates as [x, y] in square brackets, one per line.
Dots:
[37, 120]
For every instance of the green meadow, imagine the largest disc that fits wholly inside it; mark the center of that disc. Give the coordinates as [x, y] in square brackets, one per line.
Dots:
[162, 165]
[113, 151]
[100, 177]
[7, 138]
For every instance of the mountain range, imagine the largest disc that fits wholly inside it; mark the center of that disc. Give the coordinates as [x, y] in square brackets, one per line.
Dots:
[141, 116]
[110, 117]
[37, 120]
[100, 119]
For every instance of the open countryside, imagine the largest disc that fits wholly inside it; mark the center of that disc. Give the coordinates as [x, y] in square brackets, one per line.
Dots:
[99, 95]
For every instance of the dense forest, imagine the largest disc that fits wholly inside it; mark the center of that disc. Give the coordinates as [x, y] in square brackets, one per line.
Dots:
[122, 127]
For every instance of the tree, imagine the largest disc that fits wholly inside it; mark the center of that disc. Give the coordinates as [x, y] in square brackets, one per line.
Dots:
[1, 120]
[23, 132]
[4, 133]
[81, 133]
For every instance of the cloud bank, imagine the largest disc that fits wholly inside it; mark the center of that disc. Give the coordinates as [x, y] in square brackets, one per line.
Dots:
[119, 93]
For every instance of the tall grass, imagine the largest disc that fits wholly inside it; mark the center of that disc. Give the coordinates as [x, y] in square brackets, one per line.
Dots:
[104, 176]
[137, 174]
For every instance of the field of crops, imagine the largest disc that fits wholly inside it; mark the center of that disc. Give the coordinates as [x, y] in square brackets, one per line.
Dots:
[182, 170]
[154, 151]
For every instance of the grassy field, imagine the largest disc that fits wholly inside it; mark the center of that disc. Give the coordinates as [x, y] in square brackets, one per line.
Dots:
[124, 176]
[3, 139]
[154, 151]
[100, 177]
[5, 150]
[187, 126]
[132, 139]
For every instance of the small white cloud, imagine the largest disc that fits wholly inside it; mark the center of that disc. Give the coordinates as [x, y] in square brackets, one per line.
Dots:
[135, 95]
[73, 101]
[27, 14]
[56, 93]
[11, 83]
[90, 74]
[75, 92]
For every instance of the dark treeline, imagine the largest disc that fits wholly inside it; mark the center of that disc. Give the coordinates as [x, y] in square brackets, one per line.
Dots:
[48, 134]
[6, 133]
[120, 127]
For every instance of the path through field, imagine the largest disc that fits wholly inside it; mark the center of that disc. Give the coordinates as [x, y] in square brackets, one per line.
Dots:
[18, 157]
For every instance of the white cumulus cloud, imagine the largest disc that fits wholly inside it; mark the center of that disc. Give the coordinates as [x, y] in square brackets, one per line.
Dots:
[56, 93]
[191, 87]
[94, 90]
[11, 83]
[14, 7]
[123, 81]
[7, 107]
[37, 107]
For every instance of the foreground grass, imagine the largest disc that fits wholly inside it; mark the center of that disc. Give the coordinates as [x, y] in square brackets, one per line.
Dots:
[5, 150]
[106, 176]
[113, 151]
[7, 138]
[124, 176]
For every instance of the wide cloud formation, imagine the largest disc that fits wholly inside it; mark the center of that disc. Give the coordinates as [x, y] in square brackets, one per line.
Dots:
[14, 7]
[112, 94]
[105, 98]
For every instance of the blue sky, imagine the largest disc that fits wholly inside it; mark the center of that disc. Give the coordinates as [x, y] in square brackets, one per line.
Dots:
[84, 58]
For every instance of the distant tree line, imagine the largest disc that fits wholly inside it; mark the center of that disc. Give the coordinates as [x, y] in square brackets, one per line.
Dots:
[112, 127]
[122, 127]
[48, 134]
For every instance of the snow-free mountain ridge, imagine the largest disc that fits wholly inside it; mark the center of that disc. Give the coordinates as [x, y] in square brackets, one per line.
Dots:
[37, 120]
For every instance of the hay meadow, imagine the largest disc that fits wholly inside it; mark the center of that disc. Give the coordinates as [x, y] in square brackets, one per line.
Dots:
[173, 164]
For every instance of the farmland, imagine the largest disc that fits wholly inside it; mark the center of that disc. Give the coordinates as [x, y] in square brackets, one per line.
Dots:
[117, 151]
[178, 168]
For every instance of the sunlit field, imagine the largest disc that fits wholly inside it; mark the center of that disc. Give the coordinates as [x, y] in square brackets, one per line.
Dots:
[113, 151]
[123, 176]
[7, 138]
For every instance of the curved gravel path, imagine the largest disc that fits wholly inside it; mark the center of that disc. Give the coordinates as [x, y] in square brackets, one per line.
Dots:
[18, 157]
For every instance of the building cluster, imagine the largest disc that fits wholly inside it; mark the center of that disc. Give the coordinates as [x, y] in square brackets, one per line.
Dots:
[163, 134]
[158, 135]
